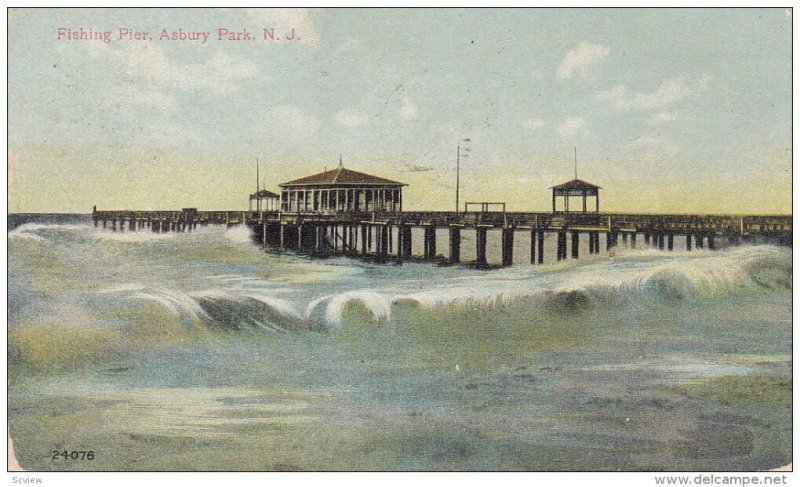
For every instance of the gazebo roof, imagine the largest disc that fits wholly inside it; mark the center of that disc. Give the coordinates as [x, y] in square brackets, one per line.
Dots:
[263, 193]
[340, 175]
[574, 184]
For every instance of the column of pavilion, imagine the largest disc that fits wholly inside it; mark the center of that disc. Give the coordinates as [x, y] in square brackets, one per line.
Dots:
[342, 199]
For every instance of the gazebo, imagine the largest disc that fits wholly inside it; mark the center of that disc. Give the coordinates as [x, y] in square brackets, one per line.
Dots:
[576, 187]
[271, 201]
[340, 190]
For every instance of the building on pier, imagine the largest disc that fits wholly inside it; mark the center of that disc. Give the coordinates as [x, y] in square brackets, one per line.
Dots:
[265, 201]
[575, 188]
[341, 190]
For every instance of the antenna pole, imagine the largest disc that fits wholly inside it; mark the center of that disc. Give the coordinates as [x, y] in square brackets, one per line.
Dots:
[458, 172]
[576, 162]
[258, 200]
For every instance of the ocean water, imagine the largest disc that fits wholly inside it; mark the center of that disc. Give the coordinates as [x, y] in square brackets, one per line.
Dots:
[201, 351]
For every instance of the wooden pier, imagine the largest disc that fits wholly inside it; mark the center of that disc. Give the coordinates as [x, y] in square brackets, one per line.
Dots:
[385, 235]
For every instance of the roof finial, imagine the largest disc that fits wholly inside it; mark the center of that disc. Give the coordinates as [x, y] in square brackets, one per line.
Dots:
[576, 162]
[340, 161]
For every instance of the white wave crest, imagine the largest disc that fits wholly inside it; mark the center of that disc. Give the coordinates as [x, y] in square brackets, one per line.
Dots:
[332, 306]
[640, 278]
[177, 302]
[239, 234]
[139, 236]
[34, 231]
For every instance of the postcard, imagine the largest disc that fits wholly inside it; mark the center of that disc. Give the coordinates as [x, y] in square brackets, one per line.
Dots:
[404, 239]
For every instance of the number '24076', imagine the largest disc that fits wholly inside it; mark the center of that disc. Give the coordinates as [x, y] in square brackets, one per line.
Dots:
[73, 455]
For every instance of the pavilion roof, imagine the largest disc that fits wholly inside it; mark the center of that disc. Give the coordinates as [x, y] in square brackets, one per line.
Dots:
[264, 193]
[342, 176]
[576, 184]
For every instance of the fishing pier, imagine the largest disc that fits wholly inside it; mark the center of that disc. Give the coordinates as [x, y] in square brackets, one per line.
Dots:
[344, 212]
[385, 236]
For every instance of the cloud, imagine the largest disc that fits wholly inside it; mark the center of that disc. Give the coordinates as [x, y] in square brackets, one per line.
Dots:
[582, 60]
[146, 96]
[346, 47]
[284, 19]
[533, 124]
[705, 81]
[573, 126]
[219, 74]
[653, 144]
[407, 109]
[668, 93]
[417, 168]
[615, 94]
[295, 119]
[661, 117]
[351, 118]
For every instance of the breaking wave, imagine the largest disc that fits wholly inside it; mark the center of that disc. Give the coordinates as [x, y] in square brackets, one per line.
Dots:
[331, 308]
[269, 294]
[239, 234]
[42, 232]
[254, 303]
[223, 309]
[39, 231]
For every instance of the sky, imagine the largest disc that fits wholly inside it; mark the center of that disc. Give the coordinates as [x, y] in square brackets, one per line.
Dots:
[671, 110]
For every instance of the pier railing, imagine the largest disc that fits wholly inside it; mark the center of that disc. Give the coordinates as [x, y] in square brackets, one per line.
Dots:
[741, 225]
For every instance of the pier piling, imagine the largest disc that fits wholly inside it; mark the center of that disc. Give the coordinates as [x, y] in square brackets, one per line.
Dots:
[575, 244]
[540, 247]
[405, 242]
[455, 244]
[383, 249]
[508, 246]
[480, 246]
[561, 246]
[364, 249]
[430, 242]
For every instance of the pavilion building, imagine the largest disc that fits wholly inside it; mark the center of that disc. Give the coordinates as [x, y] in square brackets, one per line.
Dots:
[576, 188]
[265, 200]
[341, 190]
